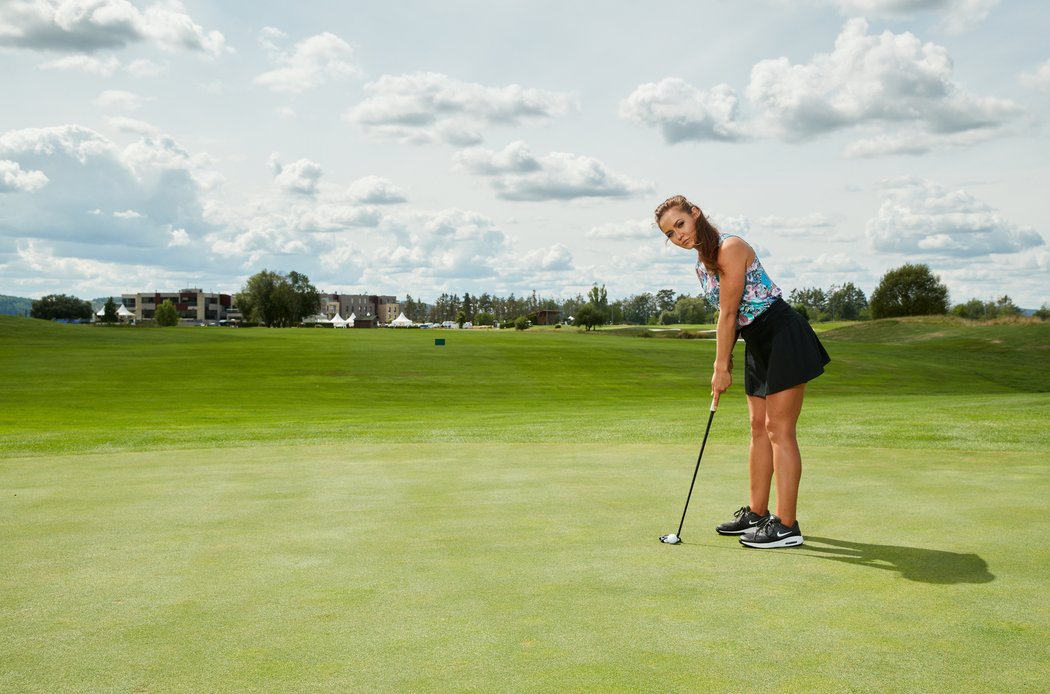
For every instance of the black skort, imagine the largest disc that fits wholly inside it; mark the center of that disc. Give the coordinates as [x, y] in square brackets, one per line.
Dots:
[781, 351]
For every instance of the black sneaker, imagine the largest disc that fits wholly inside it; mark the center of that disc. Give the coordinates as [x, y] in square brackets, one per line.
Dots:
[743, 520]
[771, 534]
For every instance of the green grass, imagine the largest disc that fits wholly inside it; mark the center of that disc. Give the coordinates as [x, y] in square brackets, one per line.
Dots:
[316, 510]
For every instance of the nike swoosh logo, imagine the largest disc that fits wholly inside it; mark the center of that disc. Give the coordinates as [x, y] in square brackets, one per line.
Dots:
[784, 534]
[754, 522]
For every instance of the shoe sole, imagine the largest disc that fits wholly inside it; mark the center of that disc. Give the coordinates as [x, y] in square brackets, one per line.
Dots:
[793, 541]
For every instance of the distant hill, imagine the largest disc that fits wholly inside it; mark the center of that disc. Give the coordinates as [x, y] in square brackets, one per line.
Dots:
[15, 305]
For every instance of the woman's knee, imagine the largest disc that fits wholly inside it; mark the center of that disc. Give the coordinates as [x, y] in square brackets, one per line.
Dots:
[780, 431]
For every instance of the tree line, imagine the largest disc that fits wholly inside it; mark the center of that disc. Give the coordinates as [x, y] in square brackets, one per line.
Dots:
[278, 299]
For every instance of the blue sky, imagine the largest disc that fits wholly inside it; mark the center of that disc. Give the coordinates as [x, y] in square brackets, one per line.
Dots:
[423, 148]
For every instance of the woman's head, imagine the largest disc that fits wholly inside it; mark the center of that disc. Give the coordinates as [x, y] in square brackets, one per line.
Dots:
[685, 225]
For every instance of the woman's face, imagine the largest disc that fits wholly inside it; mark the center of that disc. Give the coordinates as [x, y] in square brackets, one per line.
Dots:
[679, 227]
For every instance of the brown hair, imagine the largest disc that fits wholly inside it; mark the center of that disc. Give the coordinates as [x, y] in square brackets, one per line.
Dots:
[706, 233]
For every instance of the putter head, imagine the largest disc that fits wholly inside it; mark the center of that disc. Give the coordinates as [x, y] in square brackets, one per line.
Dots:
[671, 539]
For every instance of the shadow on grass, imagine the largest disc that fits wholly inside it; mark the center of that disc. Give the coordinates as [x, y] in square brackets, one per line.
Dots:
[912, 563]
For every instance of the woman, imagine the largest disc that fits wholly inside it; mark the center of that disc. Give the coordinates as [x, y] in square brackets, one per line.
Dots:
[781, 353]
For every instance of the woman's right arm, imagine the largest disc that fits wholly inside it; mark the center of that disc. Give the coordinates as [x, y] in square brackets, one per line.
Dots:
[732, 268]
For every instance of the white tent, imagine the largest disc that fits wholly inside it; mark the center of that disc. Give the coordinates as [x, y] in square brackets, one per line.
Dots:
[338, 321]
[351, 319]
[123, 312]
[401, 321]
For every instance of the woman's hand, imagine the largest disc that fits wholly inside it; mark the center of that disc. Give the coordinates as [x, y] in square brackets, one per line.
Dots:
[720, 381]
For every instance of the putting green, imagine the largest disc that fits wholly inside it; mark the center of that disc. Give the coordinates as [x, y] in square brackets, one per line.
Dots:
[517, 567]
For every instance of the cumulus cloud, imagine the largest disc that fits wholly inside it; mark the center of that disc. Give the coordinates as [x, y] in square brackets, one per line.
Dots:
[78, 26]
[116, 98]
[83, 63]
[311, 63]
[898, 92]
[891, 79]
[375, 190]
[682, 112]
[1038, 78]
[14, 179]
[100, 194]
[956, 15]
[429, 107]
[918, 217]
[553, 258]
[517, 174]
[301, 176]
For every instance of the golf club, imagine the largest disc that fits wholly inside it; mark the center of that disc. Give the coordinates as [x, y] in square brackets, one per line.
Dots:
[676, 538]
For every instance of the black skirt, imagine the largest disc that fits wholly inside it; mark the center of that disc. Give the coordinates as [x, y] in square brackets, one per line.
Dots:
[781, 351]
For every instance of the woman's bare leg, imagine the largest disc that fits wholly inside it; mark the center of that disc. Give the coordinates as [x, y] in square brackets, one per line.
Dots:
[782, 411]
[760, 456]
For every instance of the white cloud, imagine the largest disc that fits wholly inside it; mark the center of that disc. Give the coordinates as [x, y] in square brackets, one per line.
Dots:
[83, 63]
[897, 91]
[179, 237]
[630, 230]
[301, 176]
[145, 68]
[682, 112]
[956, 15]
[91, 25]
[1038, 78]
[889, 80]
[556, 257]
[375, 190]
[429, 107]
[920, 218]
[134, 126]
[311, 63]
[14, 179]
[516, 174]
[116, 98]
[139, 191]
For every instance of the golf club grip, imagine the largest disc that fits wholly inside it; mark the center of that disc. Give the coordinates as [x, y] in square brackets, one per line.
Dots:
[714, 403]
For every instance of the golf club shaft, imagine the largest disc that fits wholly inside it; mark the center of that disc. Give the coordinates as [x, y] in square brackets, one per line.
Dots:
[710, 418]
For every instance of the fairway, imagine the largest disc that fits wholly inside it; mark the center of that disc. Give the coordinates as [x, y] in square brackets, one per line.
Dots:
[365, 511]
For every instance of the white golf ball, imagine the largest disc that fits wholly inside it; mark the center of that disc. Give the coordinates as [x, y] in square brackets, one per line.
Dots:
[670, 539]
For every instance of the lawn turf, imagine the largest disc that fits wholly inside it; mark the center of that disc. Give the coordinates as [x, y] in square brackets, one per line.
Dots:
[265, 510]
[512, 567]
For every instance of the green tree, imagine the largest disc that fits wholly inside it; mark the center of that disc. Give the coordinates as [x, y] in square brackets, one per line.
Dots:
[484, 318]
[1042, 313]
[598, 297]
[521, 323]
[166, 314]
[910, 290]
[109, 311]
[590, 316]
[811, 302]
[665, 300]
[61, 307]
[278, 300]
[975, 309]
[846, 302]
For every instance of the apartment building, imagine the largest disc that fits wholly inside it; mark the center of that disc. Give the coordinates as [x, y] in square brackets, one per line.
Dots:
[369, 310]
[192, 304]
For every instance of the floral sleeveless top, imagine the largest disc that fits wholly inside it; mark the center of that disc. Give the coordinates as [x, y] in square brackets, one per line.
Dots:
[759, 291]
